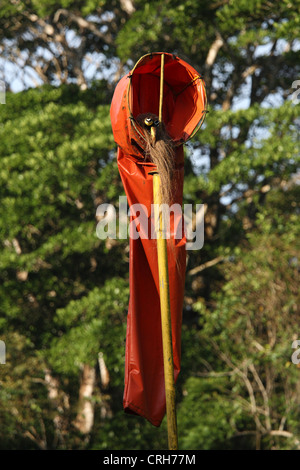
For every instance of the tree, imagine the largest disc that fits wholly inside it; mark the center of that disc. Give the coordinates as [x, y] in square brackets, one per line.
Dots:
[247, 389]
[50, 42]
[50, 189]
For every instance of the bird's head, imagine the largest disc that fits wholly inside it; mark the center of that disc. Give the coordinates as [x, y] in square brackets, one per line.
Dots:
[151, 124]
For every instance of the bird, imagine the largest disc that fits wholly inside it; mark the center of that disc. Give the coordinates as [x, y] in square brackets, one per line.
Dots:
[159, 149]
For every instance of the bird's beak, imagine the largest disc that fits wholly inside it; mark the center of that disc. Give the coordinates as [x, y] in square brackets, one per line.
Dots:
[153, 134]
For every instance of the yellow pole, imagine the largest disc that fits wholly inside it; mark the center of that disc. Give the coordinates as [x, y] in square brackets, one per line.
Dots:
[166, 325]
[161, 92]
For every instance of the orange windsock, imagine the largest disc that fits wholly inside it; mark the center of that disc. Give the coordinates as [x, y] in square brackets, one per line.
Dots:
[184, 108]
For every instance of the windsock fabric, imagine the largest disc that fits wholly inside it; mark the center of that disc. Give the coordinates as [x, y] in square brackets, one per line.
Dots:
[184, 107]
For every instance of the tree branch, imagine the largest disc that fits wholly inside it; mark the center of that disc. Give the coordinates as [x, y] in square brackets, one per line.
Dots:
[84, 24]
[206, 265]
[264, 395]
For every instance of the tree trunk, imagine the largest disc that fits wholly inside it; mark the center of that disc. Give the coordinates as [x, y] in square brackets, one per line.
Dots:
[85, 417]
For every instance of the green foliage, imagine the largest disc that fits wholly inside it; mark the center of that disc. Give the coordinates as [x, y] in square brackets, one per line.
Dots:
[155, 22]
[53, 147]
[21, 384]
[96, 322]
[203, 402]
[249, 331]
